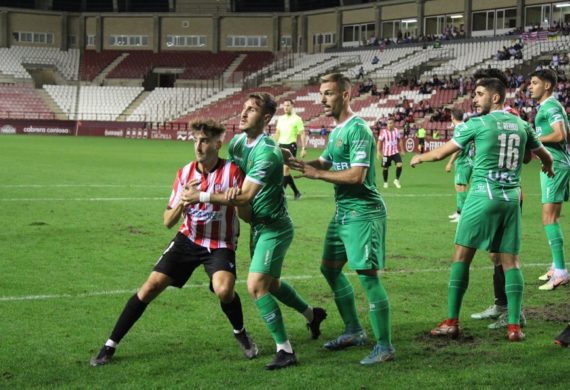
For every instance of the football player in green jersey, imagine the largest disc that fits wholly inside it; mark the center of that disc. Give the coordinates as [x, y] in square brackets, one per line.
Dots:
[462, 162]
[357, 231]
[259, 157]
[551, 124]
[491, 218]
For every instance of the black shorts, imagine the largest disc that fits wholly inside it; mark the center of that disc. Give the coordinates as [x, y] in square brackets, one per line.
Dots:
[290, 147]
[387, 161]
[183, 256]
[422, 141]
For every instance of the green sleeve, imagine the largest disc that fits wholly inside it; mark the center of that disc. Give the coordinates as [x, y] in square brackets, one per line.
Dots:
[532, 142]
[360, 141]
[264, 165]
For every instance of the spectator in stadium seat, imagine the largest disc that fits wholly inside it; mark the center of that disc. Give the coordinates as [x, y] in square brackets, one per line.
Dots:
[375, 60]
[356, 233]
[491, 215]
[360, 73]
[201, 240]
[261, 160]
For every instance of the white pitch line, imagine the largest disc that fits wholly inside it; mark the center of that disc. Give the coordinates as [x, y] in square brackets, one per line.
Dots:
[205, 285]
[128, 199]
[81, 186]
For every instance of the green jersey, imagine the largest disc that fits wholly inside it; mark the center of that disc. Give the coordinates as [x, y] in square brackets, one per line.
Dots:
[352, 144]
[262, 163]
[500, 140]
[550, 112]
[465, 156]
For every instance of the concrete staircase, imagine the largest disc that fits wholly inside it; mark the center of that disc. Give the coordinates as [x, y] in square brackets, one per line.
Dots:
[233, 66]
[98, 80]
[42, 93]
[133, 106]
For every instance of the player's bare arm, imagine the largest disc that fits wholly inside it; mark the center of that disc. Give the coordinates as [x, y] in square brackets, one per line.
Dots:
[172, 216]
[558, 134]
[451, 160]
[546, 160]
[241, 198]
[438, 154]
[353, 175]
[303, 143]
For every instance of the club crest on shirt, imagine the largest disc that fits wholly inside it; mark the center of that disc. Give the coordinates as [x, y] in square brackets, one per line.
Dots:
[338, 143]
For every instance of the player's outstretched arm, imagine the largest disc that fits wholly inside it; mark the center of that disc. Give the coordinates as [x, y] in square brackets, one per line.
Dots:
[438, 154]
[354, 175]
[546, 160]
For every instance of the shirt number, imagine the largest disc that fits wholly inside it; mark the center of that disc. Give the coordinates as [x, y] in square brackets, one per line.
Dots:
[509, 152]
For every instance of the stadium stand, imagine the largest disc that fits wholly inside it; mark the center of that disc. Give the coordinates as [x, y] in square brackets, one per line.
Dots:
[95, 103]
[22, 101]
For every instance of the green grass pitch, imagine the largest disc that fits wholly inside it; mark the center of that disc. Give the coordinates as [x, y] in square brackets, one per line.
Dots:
[81, 227]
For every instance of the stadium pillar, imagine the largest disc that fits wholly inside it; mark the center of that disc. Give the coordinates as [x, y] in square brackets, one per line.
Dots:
[171, 6]
[64, 20]
[156, 34]
[115, 5]
[81, 33]
[294, 33]
[520, 13]
[98, 34]
[215, 34]
[420, 16]
[4, 42]
[304, 31]
[45, 5]
[276, 33]
[378, 21]
[339, 38]
[287, 6]
[467, 10]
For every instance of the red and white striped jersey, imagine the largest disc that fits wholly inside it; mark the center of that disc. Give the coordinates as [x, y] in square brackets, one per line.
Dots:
[209, 225]
[390, 140]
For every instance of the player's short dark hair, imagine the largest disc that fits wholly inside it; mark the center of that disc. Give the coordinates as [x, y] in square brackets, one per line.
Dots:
[457, 113]
[547, 75]
[491, 73]
[266, 101]
[289, 100]
[210, 127]
[341, 81]
[495, 85]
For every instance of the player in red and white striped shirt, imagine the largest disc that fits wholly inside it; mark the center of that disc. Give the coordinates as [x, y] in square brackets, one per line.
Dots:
[390, 145]
[207, 236]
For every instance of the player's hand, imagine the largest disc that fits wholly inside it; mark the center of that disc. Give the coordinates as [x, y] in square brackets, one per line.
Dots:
[303, 153]
[191, 193]
[448, 168]
[309, 172]
[232, 193]
[296, 164]
[548, 170]
[415, 161]
[287, 156]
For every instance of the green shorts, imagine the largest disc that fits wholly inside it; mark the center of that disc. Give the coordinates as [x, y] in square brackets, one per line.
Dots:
[490, 224]
[268, 245]
[555, 189]
[463, 174]
[359, 242]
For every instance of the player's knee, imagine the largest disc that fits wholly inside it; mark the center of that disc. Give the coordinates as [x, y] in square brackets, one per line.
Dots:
[150, 290]
[225, 292]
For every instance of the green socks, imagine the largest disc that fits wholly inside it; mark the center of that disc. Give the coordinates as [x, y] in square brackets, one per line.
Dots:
[343, 297]
[289, 296]
[460, 199]
[514, 286]
[379, 308]
[271, 315]
[556, 242]
[458, 282]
